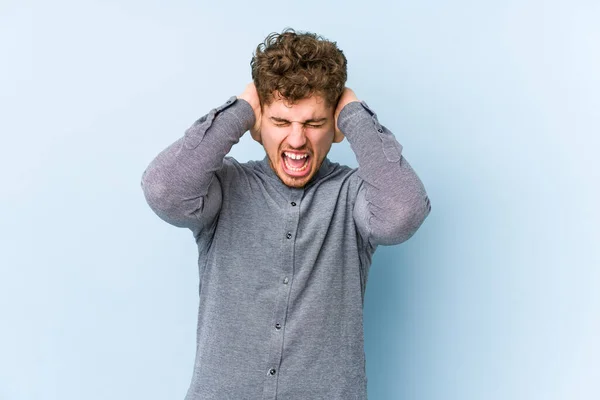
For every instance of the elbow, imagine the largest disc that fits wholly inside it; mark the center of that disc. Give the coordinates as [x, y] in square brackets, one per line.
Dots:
[402, 224]
[156, 192]
[163, 199]
[172, 205]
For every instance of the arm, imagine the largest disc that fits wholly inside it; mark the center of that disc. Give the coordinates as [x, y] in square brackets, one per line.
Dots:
[392, 202]
[181, 184]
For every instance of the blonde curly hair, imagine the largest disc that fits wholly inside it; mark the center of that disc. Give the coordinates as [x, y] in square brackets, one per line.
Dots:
[298, 65]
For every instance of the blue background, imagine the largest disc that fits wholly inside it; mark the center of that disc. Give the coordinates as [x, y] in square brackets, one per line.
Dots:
[497, 107]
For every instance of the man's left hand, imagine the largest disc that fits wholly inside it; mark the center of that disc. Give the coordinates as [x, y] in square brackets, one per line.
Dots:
[348, 96]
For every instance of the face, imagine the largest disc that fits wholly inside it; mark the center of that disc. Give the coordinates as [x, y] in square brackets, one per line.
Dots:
[297, 137]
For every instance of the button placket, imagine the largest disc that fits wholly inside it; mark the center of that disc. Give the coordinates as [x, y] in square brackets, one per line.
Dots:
[290, 221]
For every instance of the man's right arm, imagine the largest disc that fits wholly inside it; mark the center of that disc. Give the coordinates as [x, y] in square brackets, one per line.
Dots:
[181, 184]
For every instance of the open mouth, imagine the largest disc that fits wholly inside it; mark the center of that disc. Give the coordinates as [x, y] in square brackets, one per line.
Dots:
[296, 163]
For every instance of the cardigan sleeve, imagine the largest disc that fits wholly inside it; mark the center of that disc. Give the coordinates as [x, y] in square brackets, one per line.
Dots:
[391, 203]
[182, 183]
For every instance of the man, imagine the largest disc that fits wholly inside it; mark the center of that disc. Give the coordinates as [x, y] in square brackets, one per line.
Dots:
[285, 243]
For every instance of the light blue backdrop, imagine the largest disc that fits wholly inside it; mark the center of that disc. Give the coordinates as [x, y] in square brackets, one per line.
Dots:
[497, 107]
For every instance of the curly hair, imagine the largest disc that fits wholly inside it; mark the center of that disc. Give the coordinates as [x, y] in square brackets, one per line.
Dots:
[298, 65]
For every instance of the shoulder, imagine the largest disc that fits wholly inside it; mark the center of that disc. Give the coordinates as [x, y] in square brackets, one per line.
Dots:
[341, 171]
[231, 165]
[341, 168]
[234, 170]
[339, 176]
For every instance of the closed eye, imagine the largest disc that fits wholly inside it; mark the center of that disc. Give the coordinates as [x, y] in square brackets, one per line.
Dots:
[309, 125]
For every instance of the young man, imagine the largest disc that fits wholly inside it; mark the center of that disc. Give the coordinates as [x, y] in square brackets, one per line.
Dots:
[285, 243]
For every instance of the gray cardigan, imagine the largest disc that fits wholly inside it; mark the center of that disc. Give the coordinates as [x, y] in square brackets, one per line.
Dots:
[283, 270]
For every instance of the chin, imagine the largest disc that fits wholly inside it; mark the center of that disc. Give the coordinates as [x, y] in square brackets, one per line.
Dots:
[295, 178]
[294, 182]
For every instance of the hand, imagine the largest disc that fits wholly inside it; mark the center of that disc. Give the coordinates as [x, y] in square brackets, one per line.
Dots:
[348, 96]
[251, 96]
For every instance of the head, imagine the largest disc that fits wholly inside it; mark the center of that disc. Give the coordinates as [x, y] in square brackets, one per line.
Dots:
[299, 78]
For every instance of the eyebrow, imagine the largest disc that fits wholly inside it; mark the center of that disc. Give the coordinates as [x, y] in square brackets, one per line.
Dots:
[277, 119]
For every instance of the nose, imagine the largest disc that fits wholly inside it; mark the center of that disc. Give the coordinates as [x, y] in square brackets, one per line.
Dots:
[296, 138]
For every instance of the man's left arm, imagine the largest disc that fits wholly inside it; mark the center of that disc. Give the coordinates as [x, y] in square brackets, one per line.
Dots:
[392, 202]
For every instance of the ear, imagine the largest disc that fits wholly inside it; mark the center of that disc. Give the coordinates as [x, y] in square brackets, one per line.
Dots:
[338, 136]
[255, 131]
[256, 135]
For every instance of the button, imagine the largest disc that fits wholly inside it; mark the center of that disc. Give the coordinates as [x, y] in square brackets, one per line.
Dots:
[277, 326]
[365, 105]
[285, 280]
[272, 371]
[289, 235]
[293, 204]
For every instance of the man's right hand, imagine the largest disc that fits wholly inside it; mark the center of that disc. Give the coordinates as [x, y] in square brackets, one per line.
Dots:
[251, 96]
